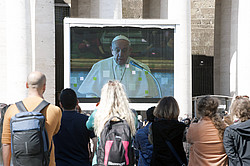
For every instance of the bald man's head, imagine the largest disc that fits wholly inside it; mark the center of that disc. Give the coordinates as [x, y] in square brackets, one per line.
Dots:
[36, 80]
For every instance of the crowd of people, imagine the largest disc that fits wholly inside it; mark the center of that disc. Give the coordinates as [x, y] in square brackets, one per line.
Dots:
[213, 139]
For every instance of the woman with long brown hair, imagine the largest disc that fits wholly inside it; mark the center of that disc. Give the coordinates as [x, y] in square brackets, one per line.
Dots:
[206, 136]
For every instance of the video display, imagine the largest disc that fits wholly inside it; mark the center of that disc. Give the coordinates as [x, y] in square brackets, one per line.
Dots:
[142, 59]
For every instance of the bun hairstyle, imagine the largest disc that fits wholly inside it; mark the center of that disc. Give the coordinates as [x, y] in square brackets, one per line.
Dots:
[207, 108]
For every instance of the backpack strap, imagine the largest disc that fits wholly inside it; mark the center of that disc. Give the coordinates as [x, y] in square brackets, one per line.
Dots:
[21, 107]
[175, 153]
[41, 106]
[108, 122]
[113, 118]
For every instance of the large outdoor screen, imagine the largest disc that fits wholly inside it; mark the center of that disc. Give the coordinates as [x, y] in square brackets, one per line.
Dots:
[147, 73]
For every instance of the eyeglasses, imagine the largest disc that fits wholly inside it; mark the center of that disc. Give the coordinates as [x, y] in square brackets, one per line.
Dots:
[116, 50]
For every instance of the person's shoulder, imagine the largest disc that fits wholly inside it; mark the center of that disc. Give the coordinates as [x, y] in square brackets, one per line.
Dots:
[181, 124]
[206, 122]
[11, 111]
[102, 63]
[144, 130]
[140, 131]
[107, 60]
[140, 134]
[82, 116]
[12, 107]
[54, 108]
[193, 126]
[235, 126]
[202, 125]
[230, 130]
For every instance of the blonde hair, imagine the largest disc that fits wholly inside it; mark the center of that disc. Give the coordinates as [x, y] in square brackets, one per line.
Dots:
[241, 108]
[207, 107]
[114, 102]
[228, 120]
[167, 108]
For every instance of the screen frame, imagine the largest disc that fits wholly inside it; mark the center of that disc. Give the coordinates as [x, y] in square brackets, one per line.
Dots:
[90, 103]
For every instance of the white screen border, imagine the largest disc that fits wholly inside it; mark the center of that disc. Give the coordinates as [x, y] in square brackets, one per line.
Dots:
[142, 23]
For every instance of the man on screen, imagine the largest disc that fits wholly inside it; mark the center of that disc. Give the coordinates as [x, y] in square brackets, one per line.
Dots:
[130, 72]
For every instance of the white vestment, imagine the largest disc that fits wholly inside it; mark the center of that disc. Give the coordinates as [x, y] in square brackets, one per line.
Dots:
[138, 83]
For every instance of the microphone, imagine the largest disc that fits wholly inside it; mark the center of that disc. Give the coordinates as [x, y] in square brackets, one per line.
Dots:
[133, 63]
[137, 65]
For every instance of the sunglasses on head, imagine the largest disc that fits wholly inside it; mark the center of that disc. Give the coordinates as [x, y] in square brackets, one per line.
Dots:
[241, 97]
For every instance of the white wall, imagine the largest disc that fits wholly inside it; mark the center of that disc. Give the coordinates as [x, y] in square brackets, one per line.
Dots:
[222, 48]
[27, 43]
[179, 10]
[18, 49]
[3, 57]
[232, 35]
[44, 41]
[107, 9]
[243, 86]
[110, 9]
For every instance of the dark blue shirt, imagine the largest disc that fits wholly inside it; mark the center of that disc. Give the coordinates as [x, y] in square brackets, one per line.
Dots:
[142, 144]
[71, 142]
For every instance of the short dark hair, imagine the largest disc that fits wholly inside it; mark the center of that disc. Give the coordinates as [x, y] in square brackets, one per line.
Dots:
[150, 115]
[68, 98]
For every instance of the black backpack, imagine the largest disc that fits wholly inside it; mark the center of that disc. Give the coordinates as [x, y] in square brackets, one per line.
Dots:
[3, 109]
[115, 146]
[29, 139]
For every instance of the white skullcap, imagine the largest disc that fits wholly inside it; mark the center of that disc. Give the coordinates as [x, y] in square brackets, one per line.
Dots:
[121, 37]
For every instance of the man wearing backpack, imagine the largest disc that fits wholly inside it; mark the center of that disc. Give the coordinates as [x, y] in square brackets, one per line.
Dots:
[72, 140]
[36, 84]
